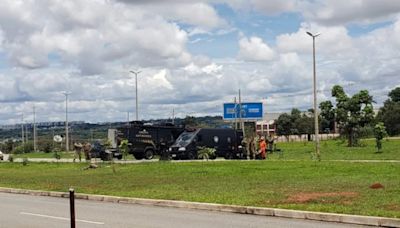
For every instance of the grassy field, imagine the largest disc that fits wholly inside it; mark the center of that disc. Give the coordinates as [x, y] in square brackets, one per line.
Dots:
[338, 150]
[339, 187]
[45, 155]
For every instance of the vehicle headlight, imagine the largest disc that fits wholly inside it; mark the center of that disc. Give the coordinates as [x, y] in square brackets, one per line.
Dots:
[170, 149]
[182, 149]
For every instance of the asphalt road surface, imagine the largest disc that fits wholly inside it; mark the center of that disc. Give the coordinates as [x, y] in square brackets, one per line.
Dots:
[19, 211]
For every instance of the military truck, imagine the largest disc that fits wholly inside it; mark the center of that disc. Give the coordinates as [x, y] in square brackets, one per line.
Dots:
[146, 140]
[226, 142]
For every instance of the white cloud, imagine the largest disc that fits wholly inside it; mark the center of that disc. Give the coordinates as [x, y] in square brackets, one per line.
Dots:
[53, 47]
[196, 13]
[159, 80]
[98, 33]
[326, 12]
[333, 12]
[254, 49]
[332, 40]
[270, 7]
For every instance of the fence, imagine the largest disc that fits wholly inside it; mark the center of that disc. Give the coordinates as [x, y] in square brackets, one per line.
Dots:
[306, 137]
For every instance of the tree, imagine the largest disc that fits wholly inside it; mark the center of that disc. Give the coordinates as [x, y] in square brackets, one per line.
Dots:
[190, 121]
[395, 95]
[305, 125]
[380, 133]
[294, 123]
[295, 117]
[389, 114]
[327, 115]
[284, 124]
[352, 112]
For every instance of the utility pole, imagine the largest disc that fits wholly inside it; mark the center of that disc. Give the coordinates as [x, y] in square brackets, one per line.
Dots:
[34, 129]
[235, 109]
[127, 123]
[173, 116]
[316, 125]
[66, 93]
[240, 115]
[137, 105]
[22, 130]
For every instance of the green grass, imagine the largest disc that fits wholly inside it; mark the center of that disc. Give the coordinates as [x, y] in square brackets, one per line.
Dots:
[255, 183]
[44, 155]
[338, 150]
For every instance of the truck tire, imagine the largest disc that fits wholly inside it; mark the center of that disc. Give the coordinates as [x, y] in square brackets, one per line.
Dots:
[138, 157]
[149, 154]
[191, 155]
[228, 155]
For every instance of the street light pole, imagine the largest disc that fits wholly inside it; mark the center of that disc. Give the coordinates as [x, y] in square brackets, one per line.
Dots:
[137, 106]
[316, 125]
[66, 121]
[34, 129]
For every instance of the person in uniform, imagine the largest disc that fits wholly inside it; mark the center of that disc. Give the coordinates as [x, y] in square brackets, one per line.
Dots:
[245, 146]
[270, 143]
[78, 151]
[86, 150]
[253, 147]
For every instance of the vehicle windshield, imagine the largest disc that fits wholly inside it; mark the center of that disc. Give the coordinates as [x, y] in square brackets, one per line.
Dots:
[184, 139]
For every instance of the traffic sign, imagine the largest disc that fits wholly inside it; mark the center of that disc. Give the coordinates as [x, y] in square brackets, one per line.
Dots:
[249, 111]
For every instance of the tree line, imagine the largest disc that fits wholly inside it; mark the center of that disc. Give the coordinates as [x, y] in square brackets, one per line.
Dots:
[353, 116]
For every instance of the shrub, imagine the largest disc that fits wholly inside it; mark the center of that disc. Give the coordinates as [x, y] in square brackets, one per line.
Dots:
[25, 148]
[124, 148]
[205, 152]
[46, 146]
[366, 132]
[25, 161]
[10, 158]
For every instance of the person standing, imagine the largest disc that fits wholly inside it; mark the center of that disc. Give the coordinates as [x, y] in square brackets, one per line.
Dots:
[263, 147]
[78, 151]
[245, 147]
[253, 147]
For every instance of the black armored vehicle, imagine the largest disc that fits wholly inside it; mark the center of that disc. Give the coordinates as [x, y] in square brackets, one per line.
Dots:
[146, 140]
[225, 141]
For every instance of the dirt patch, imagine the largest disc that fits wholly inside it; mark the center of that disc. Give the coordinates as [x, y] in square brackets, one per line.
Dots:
[376, 186]
[393, 207]
[328, 197]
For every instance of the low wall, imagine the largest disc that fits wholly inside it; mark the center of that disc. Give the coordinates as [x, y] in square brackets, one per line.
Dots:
[304, 137]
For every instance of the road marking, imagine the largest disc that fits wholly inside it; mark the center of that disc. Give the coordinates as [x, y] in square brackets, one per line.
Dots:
[61, 218]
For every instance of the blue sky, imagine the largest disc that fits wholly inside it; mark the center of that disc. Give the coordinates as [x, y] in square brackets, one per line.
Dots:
[194, 55]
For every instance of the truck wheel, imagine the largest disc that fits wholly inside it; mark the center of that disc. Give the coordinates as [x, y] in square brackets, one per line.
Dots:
[228, 155]
[149, 154]
[191, 155]
[138, 157]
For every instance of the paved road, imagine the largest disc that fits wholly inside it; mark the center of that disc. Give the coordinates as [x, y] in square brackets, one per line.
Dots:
[19, 211]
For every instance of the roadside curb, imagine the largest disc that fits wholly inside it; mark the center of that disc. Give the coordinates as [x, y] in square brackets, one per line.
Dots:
[286, 213]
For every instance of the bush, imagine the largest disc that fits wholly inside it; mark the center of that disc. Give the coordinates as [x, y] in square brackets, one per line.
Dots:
[366, 132]
[124, 148]
[205, 152]
[21, 149]
[25, 161]
[10, 158]
[46, 146]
